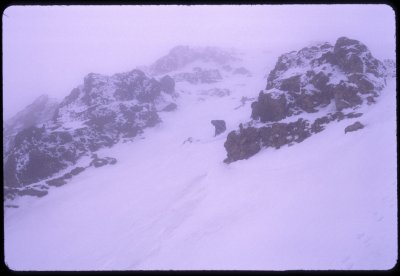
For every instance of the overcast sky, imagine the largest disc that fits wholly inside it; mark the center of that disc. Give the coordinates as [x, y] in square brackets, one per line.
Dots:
[48, 50]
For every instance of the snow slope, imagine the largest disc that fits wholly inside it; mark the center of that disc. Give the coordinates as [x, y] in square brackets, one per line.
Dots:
[326, 203]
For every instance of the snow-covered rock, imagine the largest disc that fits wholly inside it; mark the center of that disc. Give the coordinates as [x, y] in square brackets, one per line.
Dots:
[314, 79]
[199, 65]
[181, 56]
[99, 113]
[41, 110]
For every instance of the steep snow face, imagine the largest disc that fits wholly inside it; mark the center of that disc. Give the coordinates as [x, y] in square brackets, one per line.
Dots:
[99, 113]
[170, 203]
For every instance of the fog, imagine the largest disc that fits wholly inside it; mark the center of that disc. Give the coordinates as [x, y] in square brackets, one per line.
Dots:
[49, 49]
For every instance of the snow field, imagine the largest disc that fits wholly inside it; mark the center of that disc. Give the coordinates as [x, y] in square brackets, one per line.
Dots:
[326, 203]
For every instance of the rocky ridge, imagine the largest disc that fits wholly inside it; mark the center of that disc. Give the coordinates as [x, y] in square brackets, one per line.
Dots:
[41, 110]
[99, 113]
[197, 65]
[332, 81]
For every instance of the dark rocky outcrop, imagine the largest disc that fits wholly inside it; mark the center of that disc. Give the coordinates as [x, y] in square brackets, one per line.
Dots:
[220, 126]
[354, 115]
[268, 108]
[77, 170]
[62, 180]
[243, 144]
[11, 206]
[347, 55]
[32, 192]
[97, 114]
[167, 84]
[9, 193]
[248, 141]
[100, 162]
[319, 124]
[313, 77]
[306, 81]
[57, 182]
[354, 127]
[170, 107]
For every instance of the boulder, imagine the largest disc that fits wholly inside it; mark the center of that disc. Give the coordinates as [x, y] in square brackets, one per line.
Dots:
[338, 116]
[77, 170]
[100, 162]
[56, 182]
[32, 192]
[11, 206]
[67, 176]
[353, 115]
[9, 193]
[167, 84]
[170, 107]
[354, 127]
[242, 145]
[219, 125]
[111, 160]
[319, 123]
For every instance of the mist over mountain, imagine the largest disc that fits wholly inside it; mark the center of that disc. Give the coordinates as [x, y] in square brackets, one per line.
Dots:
[199, 138]
[197, 149]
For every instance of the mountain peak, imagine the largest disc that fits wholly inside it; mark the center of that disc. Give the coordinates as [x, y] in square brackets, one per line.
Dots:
[182, 55]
